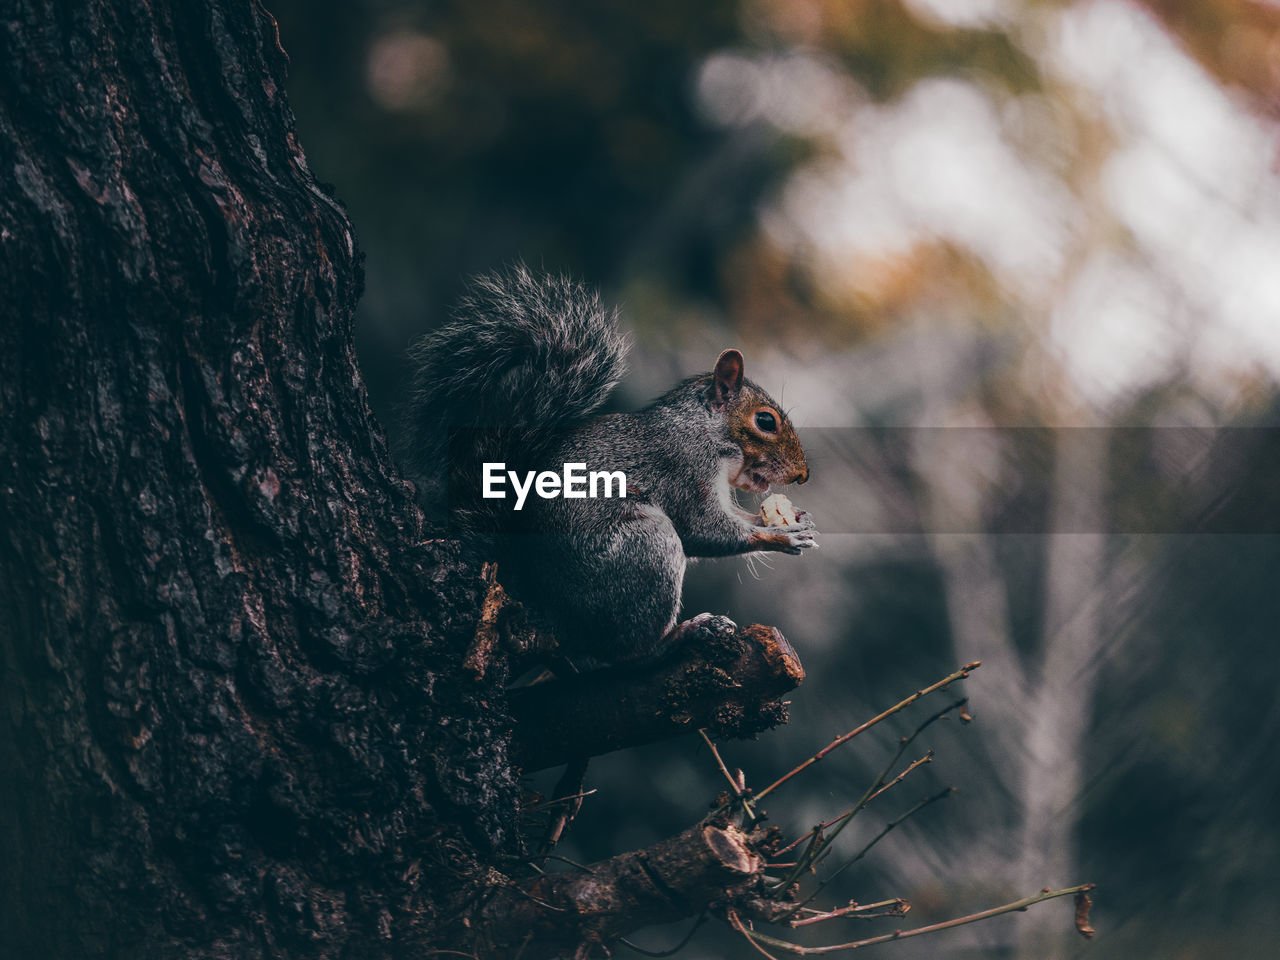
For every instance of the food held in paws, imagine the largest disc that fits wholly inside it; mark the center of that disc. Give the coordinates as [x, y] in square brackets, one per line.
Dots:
[777, 511]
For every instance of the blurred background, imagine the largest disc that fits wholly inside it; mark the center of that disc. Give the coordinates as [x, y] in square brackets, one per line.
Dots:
[1015, 269]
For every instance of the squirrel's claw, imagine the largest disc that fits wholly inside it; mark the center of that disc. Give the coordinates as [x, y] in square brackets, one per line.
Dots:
[800, 540]
[708, 623]
[794, 540]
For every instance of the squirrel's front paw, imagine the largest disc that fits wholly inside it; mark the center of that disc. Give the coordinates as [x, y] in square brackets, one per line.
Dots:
[791, 539]
[804, 520]
[801, 539]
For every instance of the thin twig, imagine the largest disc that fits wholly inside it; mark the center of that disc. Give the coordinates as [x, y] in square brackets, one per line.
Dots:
[927, 758]
[719, 761]
[897, 907]
[817, 843]
[542, 903]
[750, 935]
[550, 803]
[941, 795]
[760, 938]
[805, 836]
[674, 950]
[814, 854]
[568, 788]
[845, 738]
[739, 793]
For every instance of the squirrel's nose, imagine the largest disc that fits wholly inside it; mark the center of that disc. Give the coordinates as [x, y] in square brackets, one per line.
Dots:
[801, 476]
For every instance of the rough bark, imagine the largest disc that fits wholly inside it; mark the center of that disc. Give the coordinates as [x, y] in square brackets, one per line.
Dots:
[233, 725]
[728, 681]
[248, 710]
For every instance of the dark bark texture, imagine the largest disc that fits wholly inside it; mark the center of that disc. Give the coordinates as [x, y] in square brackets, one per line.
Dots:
[248, 711]
[724, 679]
[235, 720]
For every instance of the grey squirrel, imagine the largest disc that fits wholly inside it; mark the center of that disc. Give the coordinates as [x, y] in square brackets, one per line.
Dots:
[515, 377]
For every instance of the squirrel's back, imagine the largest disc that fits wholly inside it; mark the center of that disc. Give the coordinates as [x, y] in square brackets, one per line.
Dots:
[524, 358]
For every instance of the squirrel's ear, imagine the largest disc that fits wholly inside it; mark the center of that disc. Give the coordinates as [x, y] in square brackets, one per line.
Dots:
[728, 376]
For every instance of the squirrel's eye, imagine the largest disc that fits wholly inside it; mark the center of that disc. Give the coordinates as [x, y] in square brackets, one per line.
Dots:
[767, 422]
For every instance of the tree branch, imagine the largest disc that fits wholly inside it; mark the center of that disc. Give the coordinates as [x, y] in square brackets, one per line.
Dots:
[757, 938]
[676, 878]
[728, 682]
[841, 740]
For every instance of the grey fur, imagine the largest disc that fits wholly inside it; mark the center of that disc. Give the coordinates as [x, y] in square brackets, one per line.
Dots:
[522, 353]
[530, 358]
[618, 576]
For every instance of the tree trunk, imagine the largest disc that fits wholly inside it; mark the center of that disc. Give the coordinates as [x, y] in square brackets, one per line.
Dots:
[248, 710]
[233, 722]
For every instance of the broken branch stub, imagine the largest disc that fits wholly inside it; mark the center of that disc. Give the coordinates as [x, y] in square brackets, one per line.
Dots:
[675, 878]
[726, 680]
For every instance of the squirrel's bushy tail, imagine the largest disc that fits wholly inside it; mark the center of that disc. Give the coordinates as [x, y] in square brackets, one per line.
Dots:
[523, 358]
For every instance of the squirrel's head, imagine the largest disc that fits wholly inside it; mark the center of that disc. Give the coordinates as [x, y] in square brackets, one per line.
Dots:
[771, 451]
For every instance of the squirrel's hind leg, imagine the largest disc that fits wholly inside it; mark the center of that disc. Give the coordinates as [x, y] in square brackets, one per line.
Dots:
[624, 592]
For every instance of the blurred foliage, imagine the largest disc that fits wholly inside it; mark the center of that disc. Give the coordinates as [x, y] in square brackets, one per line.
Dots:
[467, 134]
[912, 213]
[886, 46]
[1236, 39]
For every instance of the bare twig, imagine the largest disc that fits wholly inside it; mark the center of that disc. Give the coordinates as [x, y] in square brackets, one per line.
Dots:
[897, 907]
[758, 938]
[845, 738]
[569, 788]
[815, 853]
[697, 924]
[750, 936]
[927, 758]
[806, 836]
[888, 827]
[552, 803]
[735, 783]
[880, 786]
[719, 761]
[817, 843]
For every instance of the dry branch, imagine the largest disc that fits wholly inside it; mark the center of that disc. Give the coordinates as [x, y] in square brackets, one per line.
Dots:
[726, 681]
[676, 878]
[755, 938]
[841, 740]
